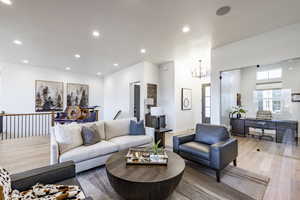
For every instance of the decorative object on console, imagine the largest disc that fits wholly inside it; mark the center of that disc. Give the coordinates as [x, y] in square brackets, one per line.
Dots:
[199, 72]
[77, 114]
[295, 97]
[137, 128]
[186, 99]
[48, 96]
[77, 95]
[238, 110]
[73, 112]
[264, 115]
[146, 156]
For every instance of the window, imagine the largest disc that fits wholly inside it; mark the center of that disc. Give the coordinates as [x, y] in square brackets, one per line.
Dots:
[269, 74]
[269, 100]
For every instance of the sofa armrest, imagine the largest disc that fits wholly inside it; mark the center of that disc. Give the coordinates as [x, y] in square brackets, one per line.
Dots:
[181, 139]
[222, 153]
[45, 175]
[54, 149]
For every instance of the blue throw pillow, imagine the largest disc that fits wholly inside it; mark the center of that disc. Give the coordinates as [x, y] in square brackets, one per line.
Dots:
[137, 128]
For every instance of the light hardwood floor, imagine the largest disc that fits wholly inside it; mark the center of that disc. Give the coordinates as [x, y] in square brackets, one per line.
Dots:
[280, 162]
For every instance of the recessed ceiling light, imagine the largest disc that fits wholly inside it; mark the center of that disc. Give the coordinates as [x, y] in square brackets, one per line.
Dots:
[96, 33]
[77, 56]
[25, 61]
[68, 68]
[223, 10]
[98, 73]
[18, 42]
[186, 29]
[143, 51]
[116, 64]
[8, 2]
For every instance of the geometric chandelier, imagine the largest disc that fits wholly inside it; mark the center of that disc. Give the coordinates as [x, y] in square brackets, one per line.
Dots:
[199, 72]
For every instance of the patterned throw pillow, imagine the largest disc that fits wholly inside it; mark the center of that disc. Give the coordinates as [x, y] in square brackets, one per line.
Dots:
[90, 135]
[49, 192]
[5, 184]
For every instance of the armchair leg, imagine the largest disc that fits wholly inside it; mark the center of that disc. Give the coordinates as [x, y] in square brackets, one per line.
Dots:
[234, 162]
[218, 176]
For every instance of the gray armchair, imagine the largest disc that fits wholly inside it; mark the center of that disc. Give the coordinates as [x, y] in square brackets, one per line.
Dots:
[210, 146]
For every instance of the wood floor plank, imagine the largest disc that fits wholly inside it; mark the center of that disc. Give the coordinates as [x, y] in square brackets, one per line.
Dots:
[280, 162]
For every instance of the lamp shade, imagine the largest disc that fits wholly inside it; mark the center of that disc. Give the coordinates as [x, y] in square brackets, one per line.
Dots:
[157, 111]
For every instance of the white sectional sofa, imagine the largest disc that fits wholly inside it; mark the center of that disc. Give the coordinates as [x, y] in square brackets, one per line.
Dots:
[67, 144]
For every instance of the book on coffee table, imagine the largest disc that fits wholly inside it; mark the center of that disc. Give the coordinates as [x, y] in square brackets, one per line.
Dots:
[145, 156]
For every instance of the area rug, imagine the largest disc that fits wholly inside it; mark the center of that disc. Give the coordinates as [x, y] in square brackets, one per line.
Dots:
[198, 183]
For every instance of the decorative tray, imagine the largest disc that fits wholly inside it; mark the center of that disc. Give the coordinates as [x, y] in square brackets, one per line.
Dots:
[145, 156]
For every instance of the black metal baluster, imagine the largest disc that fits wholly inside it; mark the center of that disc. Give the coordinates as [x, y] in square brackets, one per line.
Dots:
[6, 127]
[9, 127]
[25, 125]
[32, 125]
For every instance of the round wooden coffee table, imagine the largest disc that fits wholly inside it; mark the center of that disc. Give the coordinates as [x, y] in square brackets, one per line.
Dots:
[145, 182]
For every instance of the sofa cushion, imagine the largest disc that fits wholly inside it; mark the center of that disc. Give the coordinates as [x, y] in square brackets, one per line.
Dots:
[125, 142]
[196, 149]
[68, 137]
[88, 152]
[100, 128]
[137, 128]
[211, 134]
[116, 128]
[90, 135]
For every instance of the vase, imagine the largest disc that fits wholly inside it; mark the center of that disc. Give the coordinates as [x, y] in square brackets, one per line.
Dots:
[238, 116]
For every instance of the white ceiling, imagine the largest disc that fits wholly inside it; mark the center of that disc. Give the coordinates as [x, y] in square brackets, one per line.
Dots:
[52, 31]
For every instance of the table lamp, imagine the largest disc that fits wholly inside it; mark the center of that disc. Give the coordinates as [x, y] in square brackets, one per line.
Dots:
[157, 112]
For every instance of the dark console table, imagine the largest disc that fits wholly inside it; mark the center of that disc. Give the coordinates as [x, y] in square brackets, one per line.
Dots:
[241, 127]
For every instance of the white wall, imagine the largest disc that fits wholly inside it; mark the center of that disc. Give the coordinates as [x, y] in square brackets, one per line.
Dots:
[167, 92]
[230, 87]
[117, 91]
[186, 119]
[270, 47]
[117, 88]
[18, 86]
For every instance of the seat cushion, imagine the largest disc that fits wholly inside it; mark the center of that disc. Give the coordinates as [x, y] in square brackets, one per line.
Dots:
[116, 128]
[196, 149]
[125, 142]
[88, 152]
[211, 134]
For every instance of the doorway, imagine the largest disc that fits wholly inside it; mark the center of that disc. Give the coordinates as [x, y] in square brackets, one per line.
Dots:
[206, 105]
[135, 100]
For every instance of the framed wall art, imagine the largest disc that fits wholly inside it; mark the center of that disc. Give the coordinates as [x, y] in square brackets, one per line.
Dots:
[77, 95]
[48, 96]
[186, 99]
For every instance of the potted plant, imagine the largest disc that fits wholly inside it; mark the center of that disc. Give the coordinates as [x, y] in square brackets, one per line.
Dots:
[156, 150]
[238, 110]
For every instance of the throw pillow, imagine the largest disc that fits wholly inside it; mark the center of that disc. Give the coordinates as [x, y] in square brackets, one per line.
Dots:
[69, 137]
[49, 192]
[5, 184]
[137, 128]
[90, 135]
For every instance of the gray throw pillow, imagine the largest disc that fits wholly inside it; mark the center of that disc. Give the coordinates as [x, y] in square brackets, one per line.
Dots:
[90, 135]
[137, 128]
